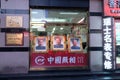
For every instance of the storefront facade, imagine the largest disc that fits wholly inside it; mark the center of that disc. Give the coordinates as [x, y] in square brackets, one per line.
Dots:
[23, 24]
[59, 29]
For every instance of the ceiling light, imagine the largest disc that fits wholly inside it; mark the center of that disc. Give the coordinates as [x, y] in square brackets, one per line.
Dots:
[48, 20]
[81, 20]
[61, 28]
[34, 12]
[54, 29]
[69, 13]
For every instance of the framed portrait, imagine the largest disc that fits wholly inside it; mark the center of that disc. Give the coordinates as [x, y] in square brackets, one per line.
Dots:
[75, 44]
[40, 44]
[58, 42]
[14, 21]
[14, 39]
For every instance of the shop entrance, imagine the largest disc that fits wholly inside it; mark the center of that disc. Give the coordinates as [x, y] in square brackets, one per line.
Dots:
[117, 42]
[58, 38]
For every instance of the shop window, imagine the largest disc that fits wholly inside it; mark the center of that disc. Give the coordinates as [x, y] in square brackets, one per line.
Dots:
[117, 42]
[58, 38]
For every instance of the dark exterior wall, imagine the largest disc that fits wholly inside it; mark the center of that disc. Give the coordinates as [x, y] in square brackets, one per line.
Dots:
[60, 3]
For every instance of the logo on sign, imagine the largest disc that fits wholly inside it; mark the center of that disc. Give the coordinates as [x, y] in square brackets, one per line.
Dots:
[40, 60]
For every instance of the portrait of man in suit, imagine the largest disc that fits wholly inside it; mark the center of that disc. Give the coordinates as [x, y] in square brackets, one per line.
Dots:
[40, 44]
[75, 43]
[58, 42]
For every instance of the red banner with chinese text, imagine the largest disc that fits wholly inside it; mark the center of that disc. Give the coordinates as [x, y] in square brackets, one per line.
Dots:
[112, 8]
[58, 60]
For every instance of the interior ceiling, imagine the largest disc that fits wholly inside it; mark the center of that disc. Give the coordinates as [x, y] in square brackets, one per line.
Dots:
[57, 30]
[73, 18]
[39, 14]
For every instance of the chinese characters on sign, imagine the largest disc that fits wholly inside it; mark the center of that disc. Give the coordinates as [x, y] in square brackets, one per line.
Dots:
[14, 21]
[112, 7]
[14, 39]
[108, 43]
[114, 3]
[58, 60]
[65, 60]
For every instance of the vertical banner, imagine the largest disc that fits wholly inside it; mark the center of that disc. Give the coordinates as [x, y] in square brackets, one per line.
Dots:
[108, 47]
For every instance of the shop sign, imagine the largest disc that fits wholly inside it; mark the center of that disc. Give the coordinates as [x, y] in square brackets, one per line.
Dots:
[108, 60]
[14, 21]
[58, 60]
[14, 39]
[112, 8]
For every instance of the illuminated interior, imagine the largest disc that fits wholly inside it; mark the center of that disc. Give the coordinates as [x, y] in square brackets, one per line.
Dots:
[60, 22]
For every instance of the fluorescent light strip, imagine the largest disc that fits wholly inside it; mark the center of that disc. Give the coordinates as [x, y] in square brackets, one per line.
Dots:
[49, 20]
[34, 12]
[69, 13]
[80, 21]
[54, 29]
[61, 28]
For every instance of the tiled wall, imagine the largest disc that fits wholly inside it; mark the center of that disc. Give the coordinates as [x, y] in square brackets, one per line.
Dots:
[14, 59]
[96, 54]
